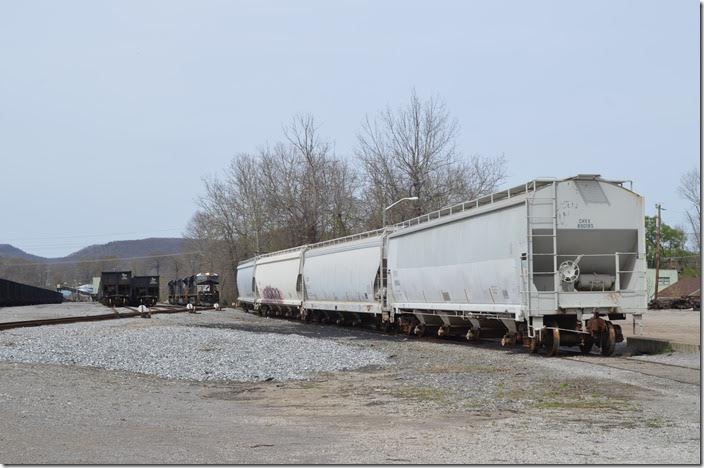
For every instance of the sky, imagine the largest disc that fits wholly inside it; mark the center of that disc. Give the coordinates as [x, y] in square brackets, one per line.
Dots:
[112, 112]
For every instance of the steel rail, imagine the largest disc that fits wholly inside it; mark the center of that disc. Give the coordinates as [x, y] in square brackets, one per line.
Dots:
[85, 318]
[614, 359]
[574, 356]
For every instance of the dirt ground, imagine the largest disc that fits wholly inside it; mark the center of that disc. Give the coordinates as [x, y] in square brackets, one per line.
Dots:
[437, 401]
[683, 326]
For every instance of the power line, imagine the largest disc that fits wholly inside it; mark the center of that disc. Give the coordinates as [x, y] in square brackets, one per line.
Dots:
[35, 247]
[92, 235]
[124, 259]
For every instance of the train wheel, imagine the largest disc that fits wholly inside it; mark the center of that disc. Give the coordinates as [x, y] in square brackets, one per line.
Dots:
[586, 345]
[552, 342]
[608, 340]
[419, 330]
[508, 340]
[534, 345]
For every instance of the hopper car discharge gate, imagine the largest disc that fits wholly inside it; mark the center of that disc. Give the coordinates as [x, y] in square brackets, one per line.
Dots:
[548, 263]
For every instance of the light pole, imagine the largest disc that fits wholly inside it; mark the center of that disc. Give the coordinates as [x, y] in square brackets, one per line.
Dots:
[383, 216]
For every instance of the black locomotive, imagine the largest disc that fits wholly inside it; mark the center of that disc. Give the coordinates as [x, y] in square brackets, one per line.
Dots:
[200, 289]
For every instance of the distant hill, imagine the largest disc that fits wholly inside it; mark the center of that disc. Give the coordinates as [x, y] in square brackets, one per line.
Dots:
[129, 248]
[10, 251]
[118, 249]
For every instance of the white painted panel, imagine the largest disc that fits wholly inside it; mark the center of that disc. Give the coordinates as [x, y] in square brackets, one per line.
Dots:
[596, 219]
[597, 205]
[343, 272]
[276, 277]
[245, 272]
[472, 260]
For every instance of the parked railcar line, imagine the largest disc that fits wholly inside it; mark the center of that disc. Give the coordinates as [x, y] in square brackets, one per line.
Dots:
[553, 262]
[495, 340]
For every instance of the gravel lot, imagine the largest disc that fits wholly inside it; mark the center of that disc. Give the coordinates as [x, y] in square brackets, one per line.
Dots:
[178, 352]
[47, 311]
[412, 401]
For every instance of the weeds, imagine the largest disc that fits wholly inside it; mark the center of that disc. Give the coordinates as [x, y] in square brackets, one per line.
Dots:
[423, 394]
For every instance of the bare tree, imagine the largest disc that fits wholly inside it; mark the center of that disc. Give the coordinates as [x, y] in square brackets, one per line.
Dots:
[310, 154]
[308, 194]
[412, 152]
[244, 181]
[297, 191]
[341, 211]
[690, 190]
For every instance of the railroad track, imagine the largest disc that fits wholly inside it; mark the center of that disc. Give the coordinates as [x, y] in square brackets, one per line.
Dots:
[132, 312]
[673, 372]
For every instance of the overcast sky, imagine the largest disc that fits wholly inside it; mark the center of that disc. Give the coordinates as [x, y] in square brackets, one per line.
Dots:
[111, 112]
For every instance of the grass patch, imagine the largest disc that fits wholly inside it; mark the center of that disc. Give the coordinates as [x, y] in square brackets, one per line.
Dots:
[464, 369]
[568, 395]
[431, 394]
[656, 422]
[666, 350]
[582, 404]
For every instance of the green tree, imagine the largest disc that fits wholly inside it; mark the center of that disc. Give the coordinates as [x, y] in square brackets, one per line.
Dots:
[672, 240]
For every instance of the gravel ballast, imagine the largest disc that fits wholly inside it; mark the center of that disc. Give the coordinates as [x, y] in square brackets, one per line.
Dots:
[443, 401]
[179, 352]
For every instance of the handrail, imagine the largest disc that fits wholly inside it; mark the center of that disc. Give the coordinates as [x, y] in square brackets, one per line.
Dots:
[279, 252]
[527, 188]
[489, 199]
[338, 240]
[351, 237]
[587, 255]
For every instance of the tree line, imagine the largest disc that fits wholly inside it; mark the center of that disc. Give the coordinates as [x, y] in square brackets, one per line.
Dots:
[299, 191]
[680, 249]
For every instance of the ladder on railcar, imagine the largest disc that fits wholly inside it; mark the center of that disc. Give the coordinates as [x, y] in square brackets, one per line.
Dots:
[546, 227]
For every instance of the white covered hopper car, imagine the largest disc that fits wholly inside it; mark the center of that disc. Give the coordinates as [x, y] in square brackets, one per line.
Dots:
[549, 263]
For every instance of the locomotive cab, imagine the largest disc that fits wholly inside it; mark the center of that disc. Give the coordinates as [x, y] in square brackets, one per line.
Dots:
[206, 289]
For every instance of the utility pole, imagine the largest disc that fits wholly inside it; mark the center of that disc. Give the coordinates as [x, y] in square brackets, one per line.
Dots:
[657, 251]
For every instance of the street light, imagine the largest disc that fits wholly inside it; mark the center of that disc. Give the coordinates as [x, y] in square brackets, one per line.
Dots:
[383, 217]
